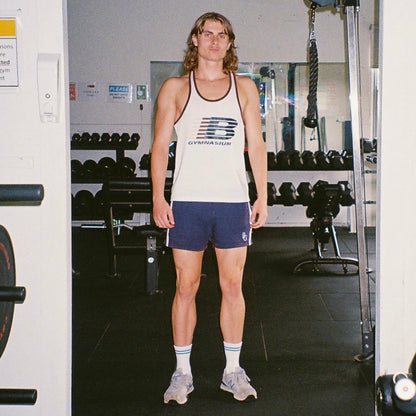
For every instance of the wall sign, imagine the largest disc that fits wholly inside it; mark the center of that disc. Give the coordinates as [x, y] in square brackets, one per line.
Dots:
[120, 93]
[8, 53]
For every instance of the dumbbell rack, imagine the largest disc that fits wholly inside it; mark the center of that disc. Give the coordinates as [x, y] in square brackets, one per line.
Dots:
[119, 148]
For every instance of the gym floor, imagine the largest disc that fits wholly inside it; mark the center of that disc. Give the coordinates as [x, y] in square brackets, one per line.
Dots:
[301, 334]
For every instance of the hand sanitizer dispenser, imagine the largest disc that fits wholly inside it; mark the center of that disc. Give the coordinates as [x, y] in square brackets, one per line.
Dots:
[48, 87]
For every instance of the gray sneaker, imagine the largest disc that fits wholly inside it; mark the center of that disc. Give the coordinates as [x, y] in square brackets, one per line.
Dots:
[180, 386]
[238, 384]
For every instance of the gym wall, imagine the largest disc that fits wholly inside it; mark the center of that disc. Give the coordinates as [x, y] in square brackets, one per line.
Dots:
[114, 42]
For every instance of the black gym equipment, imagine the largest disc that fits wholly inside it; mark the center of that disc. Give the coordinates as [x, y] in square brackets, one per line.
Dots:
[106, 167]
[95, 138]
[336, 160]
[271, 193]
[85, 138]
[396, 394]
[311, 119]
[115, 139]
[9, 292]
[296, 161]
[305, 193]
[323, 207]
[77, 170]
[90, 169]
[134, 139]
[287, 194]
[134, 196]
[309, 161]
[105, 138]
[322, 160]
[125, 168]
[8, 289]
[283, 160]
[84, 204]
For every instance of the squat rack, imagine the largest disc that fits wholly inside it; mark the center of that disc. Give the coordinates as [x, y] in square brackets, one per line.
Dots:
[351, 9]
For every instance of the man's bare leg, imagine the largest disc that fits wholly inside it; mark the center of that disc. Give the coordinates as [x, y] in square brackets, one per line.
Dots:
[188, 274]
[231, 267]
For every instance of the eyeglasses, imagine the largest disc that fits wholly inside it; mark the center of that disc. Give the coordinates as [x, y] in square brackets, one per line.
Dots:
[210, 36]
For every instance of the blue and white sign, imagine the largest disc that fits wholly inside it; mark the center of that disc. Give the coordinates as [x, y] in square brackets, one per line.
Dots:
[120, 93]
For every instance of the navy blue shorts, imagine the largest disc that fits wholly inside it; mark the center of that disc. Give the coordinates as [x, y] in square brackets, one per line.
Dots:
[226, 225]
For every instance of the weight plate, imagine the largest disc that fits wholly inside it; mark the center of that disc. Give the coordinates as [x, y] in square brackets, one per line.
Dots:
[7, 278]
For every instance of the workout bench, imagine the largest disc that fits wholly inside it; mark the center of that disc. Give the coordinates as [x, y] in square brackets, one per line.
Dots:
[121, 200]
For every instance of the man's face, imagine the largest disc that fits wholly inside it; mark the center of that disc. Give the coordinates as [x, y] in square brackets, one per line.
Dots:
[213, 42]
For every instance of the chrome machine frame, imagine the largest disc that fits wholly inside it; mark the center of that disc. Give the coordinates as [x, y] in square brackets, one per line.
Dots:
[351, 9]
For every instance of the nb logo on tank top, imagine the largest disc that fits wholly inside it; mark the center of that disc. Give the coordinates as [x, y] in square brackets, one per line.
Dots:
[216, 128]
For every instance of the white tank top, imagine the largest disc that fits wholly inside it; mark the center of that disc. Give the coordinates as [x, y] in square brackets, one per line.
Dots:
[209, 164]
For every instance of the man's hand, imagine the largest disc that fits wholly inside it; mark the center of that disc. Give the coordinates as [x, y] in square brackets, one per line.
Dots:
[258, 214]
[162, 214]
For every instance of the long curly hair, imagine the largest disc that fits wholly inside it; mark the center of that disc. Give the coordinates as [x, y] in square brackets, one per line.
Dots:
[230, 63]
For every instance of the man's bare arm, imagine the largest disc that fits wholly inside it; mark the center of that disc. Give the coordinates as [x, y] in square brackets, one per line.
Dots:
[256, 149]
[164, 121]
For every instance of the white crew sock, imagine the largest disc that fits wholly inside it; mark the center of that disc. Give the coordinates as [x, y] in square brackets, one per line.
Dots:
[232, 356]
[183, 358]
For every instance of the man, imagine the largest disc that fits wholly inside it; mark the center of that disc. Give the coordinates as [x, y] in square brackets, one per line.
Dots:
[215, 113]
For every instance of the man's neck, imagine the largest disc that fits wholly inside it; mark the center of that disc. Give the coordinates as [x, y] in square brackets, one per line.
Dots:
[210, 71]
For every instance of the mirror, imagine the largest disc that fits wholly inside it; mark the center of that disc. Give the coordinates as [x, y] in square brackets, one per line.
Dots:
[283, 90]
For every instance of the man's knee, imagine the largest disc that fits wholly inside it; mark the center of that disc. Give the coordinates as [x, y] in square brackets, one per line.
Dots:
[187, 288]
[231, 288]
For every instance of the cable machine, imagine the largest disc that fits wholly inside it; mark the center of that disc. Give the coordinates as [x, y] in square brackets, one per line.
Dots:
[351, 10]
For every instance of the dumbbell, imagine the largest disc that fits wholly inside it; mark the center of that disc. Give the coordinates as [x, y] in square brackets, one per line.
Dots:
[77, 170]
[90, 167]
[84, 203]
[337, 162]
[309, 162]
[282, 160]
[287, 194]
[348, 159]
[346, 199]
[134, 139]
[247, 161]
[95, 138]
[145, 162]
[125, 139]
[115, 139]
[85, 138]
[105, 138]
[271, 161]
[322, 161]
[304, 193]
[76, 138]
[271, 193]
[106, 167]
[126, 167]
[296, 161]
[99, 204]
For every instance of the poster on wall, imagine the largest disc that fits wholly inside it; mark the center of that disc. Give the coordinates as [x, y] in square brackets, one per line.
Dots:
[8, 53]
[87, 91]
[120, 93]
